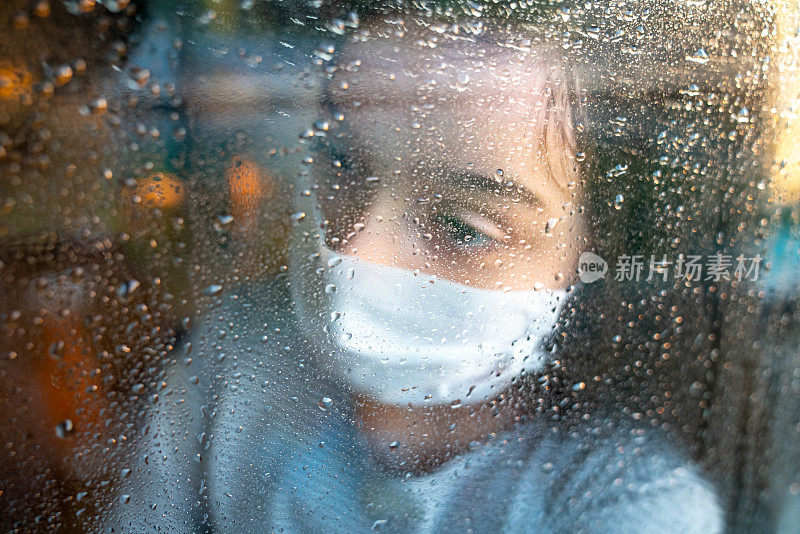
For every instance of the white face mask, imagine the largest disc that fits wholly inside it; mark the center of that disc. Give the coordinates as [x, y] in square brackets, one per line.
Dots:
[403, 338]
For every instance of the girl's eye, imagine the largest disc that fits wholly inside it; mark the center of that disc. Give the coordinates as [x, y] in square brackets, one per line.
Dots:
[468, 230]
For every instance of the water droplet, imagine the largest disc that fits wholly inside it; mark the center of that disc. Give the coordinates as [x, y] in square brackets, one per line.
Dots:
[325, 403]
[208, 16]
[125, 289]
[62, 75]
[325, 52]
[463, 81]
[700, 56]
[743, 115]
[330, 288]
[213, 289]
[393, 445]
[551, 223]
[115, 6]
[618, 200]
[65, 428]
[98, 106]
[54, 351]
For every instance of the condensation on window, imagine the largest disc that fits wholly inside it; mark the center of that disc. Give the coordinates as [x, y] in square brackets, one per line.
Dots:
[406, 266]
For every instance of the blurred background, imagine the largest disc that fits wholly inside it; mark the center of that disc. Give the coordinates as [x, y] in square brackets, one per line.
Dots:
[148, 156]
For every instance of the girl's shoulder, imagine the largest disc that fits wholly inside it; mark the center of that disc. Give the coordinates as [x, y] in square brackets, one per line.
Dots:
[611, 475]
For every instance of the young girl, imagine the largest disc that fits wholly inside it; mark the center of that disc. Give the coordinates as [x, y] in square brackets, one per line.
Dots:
[433, 260]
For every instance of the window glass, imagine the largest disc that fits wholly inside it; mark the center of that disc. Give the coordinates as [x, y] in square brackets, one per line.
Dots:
[411, 266]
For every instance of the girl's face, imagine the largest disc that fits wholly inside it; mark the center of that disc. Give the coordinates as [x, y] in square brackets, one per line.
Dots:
[468, 148]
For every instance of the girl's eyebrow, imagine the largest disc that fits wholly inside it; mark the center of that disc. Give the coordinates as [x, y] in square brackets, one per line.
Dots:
[490, 184]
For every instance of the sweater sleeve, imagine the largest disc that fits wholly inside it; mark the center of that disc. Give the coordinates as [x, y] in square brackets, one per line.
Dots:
[672, 500]
[632, 481]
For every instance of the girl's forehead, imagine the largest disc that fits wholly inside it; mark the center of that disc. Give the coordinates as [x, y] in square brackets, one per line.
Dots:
[403, 102]
[419, 65]
[419, 96]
